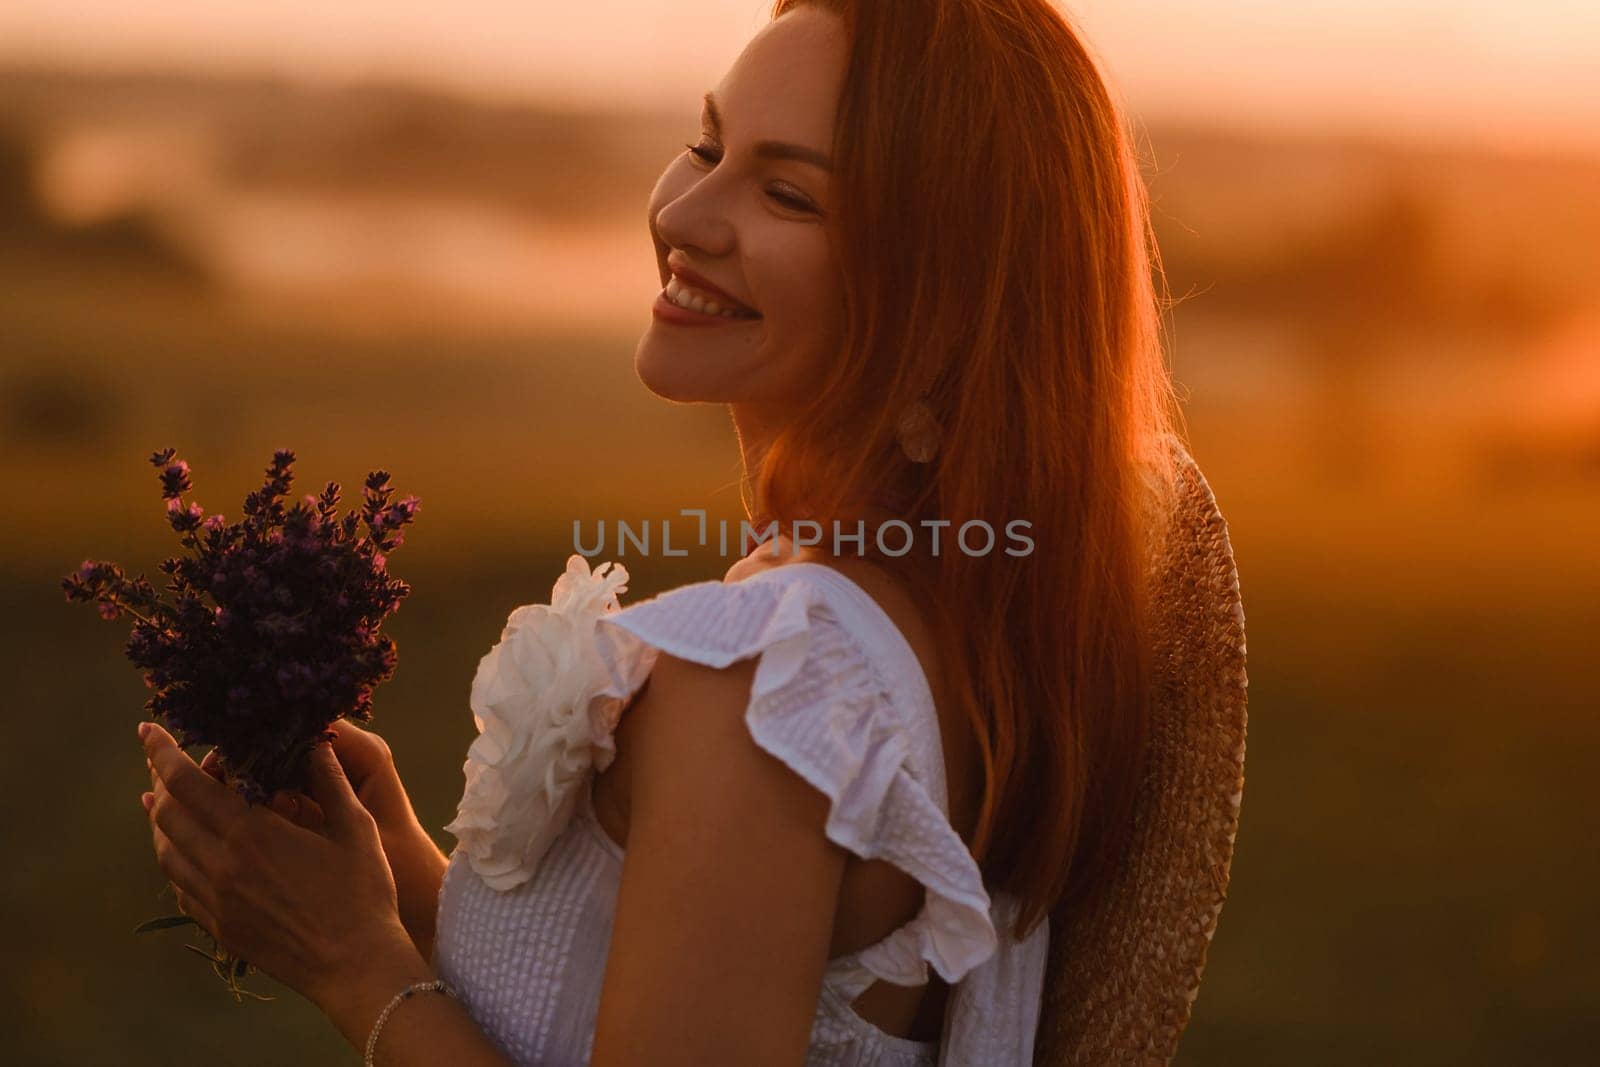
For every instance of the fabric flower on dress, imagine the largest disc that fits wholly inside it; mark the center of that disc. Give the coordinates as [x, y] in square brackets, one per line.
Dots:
[543, 726]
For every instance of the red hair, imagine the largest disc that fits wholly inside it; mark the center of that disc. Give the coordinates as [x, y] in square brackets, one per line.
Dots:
[993, 230]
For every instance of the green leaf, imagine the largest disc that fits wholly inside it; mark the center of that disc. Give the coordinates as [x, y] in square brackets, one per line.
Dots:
[163, 923]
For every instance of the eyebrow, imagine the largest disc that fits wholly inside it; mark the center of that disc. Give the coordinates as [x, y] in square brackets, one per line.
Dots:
[773, 149]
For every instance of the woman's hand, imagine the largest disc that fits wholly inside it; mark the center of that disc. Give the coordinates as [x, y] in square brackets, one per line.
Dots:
[296, 807]
[369, 766]
[414, 860]
[309, 907]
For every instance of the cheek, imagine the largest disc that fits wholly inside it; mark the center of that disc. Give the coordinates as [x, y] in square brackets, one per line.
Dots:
[823, 298]
[803, 298]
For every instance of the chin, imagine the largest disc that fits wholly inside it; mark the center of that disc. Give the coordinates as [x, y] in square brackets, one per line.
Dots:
[665, 373]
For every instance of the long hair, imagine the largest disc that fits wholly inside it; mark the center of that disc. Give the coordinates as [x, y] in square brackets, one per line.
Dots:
[998, 264]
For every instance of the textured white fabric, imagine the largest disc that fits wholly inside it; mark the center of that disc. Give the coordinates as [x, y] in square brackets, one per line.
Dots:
[840, 697]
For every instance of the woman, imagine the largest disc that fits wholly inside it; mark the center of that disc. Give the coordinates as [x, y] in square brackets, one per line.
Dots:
[910, 252]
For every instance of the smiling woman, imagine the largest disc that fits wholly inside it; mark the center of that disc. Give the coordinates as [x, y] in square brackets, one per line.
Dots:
[908, 250]
[844, 796]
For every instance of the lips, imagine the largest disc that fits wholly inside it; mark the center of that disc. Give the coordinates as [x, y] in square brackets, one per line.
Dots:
[705, 285]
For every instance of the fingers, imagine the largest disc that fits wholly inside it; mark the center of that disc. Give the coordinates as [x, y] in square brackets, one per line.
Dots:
[328, 786]
[192, 887]
[361, 752]
[208, 799]
[191, 906]
[177, 825]
[287, 805]
[299, 809]
[296, 807]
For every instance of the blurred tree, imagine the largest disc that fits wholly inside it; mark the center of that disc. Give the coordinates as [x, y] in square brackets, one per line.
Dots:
[131, 241]
[20, 215]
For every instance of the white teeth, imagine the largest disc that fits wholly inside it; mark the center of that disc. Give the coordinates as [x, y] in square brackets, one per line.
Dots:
[694, 300]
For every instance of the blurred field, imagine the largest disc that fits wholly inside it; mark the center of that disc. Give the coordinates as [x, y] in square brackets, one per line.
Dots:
[1392, 360]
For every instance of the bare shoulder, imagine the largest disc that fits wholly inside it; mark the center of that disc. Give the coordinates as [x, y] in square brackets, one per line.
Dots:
[689, 735]
[684, 741]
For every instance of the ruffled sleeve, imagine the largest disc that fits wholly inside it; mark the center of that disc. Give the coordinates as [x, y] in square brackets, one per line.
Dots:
[828, 702]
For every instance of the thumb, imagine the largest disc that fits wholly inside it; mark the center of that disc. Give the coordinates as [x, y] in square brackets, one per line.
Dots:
[327, 785]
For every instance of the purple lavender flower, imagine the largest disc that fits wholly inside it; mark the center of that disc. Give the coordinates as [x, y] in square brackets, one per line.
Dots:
[273, 629]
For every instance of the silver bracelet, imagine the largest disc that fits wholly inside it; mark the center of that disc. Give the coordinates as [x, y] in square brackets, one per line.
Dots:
[383, 1016]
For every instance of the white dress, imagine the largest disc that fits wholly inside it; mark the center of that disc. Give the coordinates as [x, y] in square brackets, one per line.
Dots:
[840, 697]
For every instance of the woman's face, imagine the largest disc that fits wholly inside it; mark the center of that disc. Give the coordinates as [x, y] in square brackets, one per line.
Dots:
[744, 210]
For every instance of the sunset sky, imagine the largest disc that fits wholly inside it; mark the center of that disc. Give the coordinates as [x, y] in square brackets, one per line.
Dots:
[1513, 75]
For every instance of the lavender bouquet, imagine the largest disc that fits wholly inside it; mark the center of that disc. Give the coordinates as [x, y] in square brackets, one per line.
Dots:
[273, 632]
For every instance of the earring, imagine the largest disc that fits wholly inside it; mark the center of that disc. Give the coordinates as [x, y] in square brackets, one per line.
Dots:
[918, 432]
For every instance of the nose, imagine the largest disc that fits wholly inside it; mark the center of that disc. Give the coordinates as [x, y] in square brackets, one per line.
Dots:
[697, 220]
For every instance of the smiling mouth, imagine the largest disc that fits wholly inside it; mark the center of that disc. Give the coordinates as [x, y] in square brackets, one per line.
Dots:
[691, 299]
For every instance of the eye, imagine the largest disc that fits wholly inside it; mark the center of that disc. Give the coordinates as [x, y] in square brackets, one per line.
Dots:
[793, 201]
[702, 152]
[798, 203]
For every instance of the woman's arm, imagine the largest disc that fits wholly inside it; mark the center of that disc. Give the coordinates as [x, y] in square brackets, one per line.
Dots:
[424, 1030]
[418, 868]
[729, 886]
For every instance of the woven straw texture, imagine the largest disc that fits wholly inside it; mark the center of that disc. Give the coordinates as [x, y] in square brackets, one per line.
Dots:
[1124, 972]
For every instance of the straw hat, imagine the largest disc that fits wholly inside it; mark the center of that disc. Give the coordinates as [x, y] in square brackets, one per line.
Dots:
[1123, 973]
